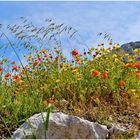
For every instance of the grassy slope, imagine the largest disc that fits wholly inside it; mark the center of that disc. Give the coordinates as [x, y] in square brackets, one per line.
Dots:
[75, 90]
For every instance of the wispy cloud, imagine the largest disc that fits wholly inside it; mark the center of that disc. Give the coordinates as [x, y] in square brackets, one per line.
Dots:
[120, 19]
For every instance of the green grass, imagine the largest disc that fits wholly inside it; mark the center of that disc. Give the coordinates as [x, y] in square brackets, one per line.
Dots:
[78, 87]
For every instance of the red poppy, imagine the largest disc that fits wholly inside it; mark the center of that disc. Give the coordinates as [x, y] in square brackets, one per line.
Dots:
[95, 73]
[129, 65]
[122, 83]
[78, 60]
[0, 69]
[7, 75]
[138, 75]
[136, 65]
[14, 68]
[104, 76]
[74, 52]
[39, 58]
[45, 55]
[35, 63]
[15, 77]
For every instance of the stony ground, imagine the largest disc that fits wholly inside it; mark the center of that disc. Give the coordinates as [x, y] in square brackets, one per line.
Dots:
[130, 122]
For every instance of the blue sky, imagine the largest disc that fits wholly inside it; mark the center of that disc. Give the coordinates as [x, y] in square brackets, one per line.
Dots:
[120, 19]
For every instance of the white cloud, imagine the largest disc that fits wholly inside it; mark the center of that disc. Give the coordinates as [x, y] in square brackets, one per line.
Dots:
[120, 19]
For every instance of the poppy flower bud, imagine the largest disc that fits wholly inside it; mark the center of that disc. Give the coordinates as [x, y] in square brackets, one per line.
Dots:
[74, 52]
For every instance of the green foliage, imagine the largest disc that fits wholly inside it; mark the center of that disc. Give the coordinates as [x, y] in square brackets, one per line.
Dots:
[94, 84]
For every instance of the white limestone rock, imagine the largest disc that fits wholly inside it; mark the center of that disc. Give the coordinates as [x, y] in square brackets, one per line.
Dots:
[61, 126]
[137, 137]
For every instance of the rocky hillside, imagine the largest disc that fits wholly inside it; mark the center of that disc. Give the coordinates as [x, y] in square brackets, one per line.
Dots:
[129, 47]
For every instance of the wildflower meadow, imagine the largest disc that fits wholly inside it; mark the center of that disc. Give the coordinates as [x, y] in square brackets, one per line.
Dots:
[95, 83]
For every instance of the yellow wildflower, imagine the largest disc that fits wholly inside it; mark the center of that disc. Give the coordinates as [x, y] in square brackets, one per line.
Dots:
[92, 49]
[74, 70]
[127, 54]
[63, 69]
[134, 56]
[42, 51]
[133, 90]
[135, 50]
[57, 81]
[65, 64]
[114, 56]
[79, 77]
[116, 60]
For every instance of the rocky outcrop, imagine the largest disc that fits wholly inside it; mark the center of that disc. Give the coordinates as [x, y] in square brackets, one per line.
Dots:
[61, 126]
[129, 47]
